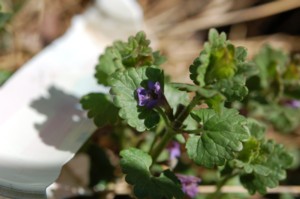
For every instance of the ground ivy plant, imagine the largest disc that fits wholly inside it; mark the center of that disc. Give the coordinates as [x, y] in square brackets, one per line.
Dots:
[190, 119]
[274, 90]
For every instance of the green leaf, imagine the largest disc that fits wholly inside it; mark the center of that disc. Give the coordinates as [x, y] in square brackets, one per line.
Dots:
[158, 58]
[222, 66]
[175, 96]
[232, 89]
[121, 55]
[124, 85]
[250, 151]
[248, 69]
[4, 75]
[185, 87]
[261, 163]
[190, 124]
[213, 98]
[245, 68]
[271, 63]
[216, 102]
[135, 164]
[285, 119]
[203, 92]
[213, 50]
[109, 62]
[222, 136]
[250, 158]
[100, 108]
[275, 161]
[257, 129]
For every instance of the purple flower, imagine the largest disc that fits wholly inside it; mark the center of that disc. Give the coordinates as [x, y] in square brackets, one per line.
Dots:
[293, 103]
[189, 184]
[151, 96]
[174, 149]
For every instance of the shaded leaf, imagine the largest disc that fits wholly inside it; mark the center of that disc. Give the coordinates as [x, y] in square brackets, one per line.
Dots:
[101, 168]
[135, 164]
[100, 108]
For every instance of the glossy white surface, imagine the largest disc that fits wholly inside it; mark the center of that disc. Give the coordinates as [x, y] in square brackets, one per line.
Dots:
[41, 122]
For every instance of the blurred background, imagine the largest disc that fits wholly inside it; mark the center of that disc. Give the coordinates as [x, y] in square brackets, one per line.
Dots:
[180, 29]
[180, 26]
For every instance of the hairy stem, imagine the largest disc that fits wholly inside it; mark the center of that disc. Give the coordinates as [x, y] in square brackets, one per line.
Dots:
[165, 118]
[161, 145]
[156, 149]
[221, 183]
[185, 112]
[159, 132]
[168, 109]
[171, 128]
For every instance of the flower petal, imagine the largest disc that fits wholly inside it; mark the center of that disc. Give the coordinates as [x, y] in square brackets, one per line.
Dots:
[189, 184]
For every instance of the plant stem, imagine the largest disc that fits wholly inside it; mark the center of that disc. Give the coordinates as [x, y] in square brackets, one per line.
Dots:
[217, 193]
[157, 135]
[170, 128]
[168, 109]
[166, 120]
[161, 145]
[185, 112]
[153, 143]
[155, 151]
[198, 131]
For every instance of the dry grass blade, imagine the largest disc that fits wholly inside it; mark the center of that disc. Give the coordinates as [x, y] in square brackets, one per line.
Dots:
[234, 17]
